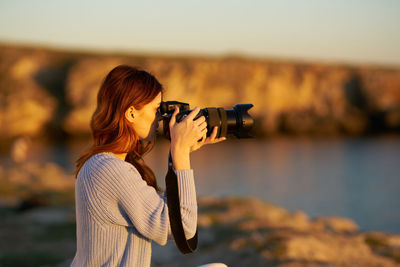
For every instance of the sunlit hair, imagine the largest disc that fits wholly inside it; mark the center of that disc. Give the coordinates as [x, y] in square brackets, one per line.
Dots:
[122, 88]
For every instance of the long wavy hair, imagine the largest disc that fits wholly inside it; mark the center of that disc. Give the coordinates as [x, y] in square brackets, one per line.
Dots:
[123, 87]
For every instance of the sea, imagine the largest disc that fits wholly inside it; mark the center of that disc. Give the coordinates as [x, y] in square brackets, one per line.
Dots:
[357, 178]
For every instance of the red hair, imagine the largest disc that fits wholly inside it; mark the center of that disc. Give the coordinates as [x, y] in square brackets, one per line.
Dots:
[122, 88]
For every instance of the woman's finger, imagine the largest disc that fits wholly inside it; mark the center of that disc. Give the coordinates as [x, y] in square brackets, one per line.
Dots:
[203, 139]
[209, 141]
[203, 134]
[200, 120]
[206, 141]
[192, 114]
[214, 133]
[203, 125]
[200, 143]
[212, 138]
[204, 131]
[219, 139]
[173, 117]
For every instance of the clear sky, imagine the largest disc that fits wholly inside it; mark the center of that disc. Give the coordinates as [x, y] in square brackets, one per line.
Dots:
[355, 31]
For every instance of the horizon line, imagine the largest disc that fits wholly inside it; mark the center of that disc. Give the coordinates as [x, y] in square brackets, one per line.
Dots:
[195, 54]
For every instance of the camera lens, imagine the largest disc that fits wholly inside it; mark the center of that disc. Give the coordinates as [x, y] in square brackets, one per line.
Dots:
[235, 121]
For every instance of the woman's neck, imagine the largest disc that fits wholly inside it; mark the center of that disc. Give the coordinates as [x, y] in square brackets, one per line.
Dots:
[122, 156]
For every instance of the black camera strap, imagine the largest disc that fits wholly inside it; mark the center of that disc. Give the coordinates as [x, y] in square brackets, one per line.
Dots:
[174, 211]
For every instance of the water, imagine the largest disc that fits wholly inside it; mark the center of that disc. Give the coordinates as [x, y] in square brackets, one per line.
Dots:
[354, 178]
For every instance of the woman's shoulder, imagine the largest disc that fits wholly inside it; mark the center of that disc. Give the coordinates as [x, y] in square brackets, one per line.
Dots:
[106, 163]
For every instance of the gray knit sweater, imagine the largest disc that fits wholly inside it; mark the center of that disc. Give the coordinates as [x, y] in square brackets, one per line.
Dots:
[118, 214]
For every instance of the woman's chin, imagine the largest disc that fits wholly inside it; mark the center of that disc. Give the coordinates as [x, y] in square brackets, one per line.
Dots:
[149, 138]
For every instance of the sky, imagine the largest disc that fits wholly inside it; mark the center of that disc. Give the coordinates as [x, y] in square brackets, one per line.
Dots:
[347, 31]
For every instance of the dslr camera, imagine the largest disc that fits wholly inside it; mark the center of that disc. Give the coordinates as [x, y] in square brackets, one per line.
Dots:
[235, 121]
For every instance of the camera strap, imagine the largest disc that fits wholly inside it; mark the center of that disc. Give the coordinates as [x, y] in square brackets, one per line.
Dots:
[174, 211]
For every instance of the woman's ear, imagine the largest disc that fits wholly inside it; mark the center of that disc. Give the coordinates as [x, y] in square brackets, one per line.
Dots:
[130, 114]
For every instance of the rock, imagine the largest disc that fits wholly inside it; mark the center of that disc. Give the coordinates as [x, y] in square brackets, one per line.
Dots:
[40, 177]
[336, 224]
[235, 209]
[270, 235]
[29, 185]
[250, 214]
[83, 84]
[19, 149]
[392, 118]
[332, 249]
[394, 240]
[26, 106]
[383, 244]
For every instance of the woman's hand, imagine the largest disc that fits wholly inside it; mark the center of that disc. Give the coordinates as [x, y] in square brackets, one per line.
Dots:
[185, 136]
[208, 140]
[187, 133]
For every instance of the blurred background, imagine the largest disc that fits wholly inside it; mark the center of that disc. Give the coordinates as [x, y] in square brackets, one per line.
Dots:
[323, 76]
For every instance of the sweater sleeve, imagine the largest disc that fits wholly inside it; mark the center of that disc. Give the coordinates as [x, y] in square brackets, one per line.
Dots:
[146, 210]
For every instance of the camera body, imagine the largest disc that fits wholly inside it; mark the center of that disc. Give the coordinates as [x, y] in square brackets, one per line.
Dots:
[235, 121]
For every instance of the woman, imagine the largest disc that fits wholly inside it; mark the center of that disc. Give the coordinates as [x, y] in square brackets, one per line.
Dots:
[119, 206]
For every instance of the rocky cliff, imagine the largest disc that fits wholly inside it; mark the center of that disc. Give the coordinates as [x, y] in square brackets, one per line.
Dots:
[48, 91]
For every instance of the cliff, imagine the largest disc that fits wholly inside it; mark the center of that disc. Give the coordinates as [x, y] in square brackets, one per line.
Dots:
[49, 91]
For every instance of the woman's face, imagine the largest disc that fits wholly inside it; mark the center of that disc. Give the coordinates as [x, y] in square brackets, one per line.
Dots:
[145, 120]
